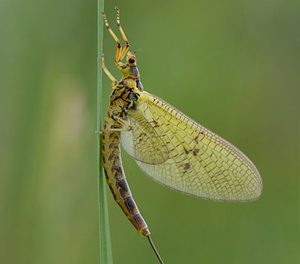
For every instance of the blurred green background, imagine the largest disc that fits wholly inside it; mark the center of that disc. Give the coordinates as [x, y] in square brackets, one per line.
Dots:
[231, 65]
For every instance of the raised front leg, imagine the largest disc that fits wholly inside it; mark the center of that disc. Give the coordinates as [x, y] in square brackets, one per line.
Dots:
[121, 51]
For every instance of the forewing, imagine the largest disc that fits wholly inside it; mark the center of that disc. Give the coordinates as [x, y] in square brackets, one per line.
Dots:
[142, 141]
[199, 162]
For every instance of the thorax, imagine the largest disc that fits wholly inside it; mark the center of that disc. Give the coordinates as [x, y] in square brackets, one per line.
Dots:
[123, 98]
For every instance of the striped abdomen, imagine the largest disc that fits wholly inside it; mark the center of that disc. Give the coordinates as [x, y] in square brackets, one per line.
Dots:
[117, 182]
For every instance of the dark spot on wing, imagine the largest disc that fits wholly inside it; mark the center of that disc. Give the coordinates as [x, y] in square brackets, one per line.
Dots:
[141, 137]
[196, 151]
[186, 166]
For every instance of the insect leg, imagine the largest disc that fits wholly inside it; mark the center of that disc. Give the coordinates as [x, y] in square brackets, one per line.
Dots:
[119, 50]
[118, 129]
[125, 129]
[107, 72]
[126, 48]
[124, 125]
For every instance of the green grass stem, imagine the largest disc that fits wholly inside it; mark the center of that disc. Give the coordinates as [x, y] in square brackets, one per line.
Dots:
[104, 230]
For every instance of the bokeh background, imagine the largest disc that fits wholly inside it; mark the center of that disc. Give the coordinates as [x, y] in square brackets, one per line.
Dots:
[231, 65]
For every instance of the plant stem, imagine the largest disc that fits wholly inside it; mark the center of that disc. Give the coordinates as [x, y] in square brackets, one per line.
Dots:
[104, 231]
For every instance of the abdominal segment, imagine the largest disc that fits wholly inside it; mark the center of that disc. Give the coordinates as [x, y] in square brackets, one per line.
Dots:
[117, 182]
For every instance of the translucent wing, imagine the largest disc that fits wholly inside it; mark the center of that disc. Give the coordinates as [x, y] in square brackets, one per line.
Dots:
[192, 159]
[142, 142]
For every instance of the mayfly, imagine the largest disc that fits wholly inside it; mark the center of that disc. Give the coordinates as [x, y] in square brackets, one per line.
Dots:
[167, 145]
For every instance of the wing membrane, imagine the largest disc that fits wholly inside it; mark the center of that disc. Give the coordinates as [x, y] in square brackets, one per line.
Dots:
[190, 158]
[142, 142]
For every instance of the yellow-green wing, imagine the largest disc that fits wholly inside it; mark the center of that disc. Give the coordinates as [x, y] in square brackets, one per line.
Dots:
[142, 142]
[199, 162]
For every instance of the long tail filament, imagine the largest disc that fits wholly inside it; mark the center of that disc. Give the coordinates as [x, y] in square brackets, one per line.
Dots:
[155, 250]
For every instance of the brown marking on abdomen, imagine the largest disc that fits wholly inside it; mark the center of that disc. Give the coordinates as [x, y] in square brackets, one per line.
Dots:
[117, 182]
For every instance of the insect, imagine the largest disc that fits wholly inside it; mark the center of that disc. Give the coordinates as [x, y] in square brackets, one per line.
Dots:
[166, 144]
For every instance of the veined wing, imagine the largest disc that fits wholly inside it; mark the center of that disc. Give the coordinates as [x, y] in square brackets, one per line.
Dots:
[198, 162]
[142, 142]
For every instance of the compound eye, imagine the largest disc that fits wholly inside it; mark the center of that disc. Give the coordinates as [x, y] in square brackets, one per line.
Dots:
[131, 60]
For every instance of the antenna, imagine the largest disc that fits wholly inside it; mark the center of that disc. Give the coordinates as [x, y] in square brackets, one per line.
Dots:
[155, 250]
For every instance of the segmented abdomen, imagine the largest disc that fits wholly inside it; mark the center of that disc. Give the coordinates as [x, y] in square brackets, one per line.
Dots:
[117, 182]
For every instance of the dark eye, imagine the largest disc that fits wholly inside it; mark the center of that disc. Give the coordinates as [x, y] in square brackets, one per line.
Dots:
[132, 60]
